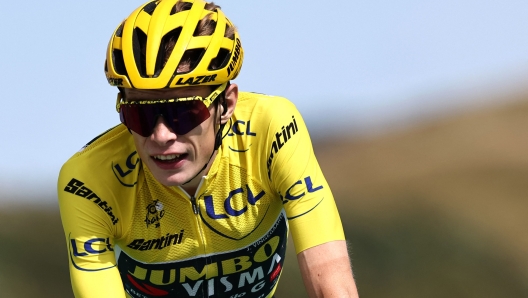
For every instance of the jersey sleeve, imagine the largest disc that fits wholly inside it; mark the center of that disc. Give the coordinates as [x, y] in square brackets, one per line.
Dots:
[90, 225]
[294, 172]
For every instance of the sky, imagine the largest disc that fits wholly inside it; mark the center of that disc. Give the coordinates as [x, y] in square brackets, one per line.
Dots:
[347, 65]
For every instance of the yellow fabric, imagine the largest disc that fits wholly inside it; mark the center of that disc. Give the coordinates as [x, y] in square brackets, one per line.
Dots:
[129, 235]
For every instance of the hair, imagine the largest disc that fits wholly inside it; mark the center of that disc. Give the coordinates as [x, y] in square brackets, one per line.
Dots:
[190, 58]
[205, 27]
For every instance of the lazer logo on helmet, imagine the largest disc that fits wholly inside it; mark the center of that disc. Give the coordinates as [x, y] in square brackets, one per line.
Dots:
[115, 81]
[236, 57]
[196, 80]
[77, 188]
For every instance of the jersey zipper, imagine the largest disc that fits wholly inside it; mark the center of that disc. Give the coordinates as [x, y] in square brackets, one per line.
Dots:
[198, 224]
[194, 205]
[196, 212]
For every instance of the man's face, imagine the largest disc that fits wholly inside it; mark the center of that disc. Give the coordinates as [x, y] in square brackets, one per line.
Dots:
[175, 159]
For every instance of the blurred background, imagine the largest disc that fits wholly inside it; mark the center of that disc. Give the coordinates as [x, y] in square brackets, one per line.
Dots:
[418, 112]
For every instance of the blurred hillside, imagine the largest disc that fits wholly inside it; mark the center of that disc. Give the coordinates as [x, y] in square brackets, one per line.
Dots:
[435, 210]
[439, 209]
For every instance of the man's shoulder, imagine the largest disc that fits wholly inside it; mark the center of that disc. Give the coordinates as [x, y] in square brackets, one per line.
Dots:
[110, 155]
[264, 105]
[116, 134]
[261, 98]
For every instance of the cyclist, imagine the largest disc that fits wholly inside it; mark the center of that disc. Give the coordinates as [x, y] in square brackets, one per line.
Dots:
[190, 196]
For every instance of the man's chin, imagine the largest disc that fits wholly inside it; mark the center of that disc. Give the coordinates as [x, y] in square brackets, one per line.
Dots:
[171, 181]
[171, 178]
[166, 179]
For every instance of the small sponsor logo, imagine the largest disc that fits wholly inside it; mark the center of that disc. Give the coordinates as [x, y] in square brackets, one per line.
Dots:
[281, 138]
[77, 188]
[86, 248]
[297, 191]
[155, 213]
[236, 57]
[241, 128]
[93, 246]
[158, 243]
[123, 169]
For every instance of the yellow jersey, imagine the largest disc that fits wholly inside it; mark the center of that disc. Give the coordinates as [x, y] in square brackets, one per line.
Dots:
[130, 236]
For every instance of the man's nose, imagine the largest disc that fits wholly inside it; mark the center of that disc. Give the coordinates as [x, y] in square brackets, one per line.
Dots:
[162, 132]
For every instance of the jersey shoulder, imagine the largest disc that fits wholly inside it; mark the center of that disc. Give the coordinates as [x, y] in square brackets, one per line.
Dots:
[257, 118]
[110, 159]
[260, 125]
[96, 184]
[266, 112]
[248, 101]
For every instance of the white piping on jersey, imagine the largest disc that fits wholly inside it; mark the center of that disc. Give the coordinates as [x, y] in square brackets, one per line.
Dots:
[197, 189]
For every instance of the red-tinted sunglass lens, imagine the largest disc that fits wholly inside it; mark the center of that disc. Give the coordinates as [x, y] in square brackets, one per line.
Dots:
[182, 117]
[140, 118]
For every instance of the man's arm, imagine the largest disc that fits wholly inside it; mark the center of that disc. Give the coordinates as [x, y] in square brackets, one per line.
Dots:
[89, 231]
[104, 283]
[326, 270]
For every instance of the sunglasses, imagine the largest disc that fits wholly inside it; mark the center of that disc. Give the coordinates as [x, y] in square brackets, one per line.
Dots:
[181, 114]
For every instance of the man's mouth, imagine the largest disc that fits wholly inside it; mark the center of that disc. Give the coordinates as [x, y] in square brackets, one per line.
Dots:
[169, 157]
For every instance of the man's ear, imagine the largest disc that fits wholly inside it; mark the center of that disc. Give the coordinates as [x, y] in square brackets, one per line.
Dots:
[229, 103]
[224, 105]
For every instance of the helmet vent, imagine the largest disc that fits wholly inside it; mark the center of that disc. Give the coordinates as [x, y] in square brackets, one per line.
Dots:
[212, 7]
[149, 8]
[139, 41]
[220, 61]
[167, 45]
[119, 62]
[190, 60]
[205, 27]
[230, 32]
[180, 6]
[119, 31]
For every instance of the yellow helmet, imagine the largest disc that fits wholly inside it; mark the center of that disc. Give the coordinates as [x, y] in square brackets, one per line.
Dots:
[137, 56]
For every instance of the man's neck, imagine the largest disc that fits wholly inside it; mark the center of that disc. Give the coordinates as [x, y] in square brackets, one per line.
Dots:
[192, 186]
